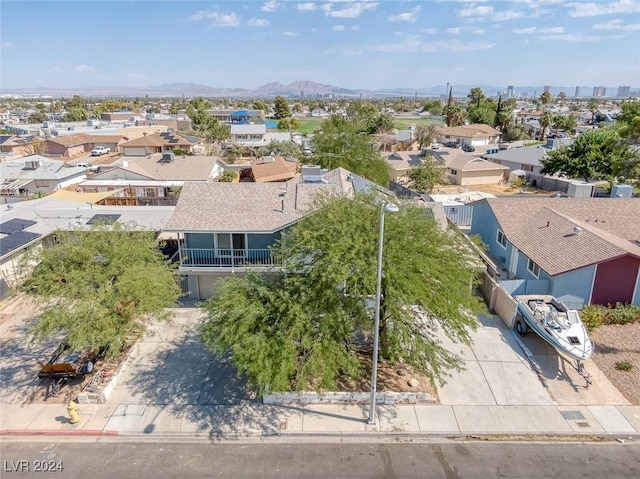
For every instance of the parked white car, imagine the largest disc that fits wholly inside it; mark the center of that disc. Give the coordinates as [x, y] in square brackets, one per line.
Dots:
[100, 150]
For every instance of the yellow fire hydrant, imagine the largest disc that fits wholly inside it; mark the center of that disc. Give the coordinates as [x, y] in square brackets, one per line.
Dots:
[72, 409]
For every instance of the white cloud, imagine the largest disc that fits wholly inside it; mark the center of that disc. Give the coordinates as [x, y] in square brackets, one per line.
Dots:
[480, 13]
[219, 19]
[258, 22]
[571, 38]
[616, 25]
[453, 31]
[84, 69]
[290, 34]
[351, 10]
[531, 30]
[354, 27]
[4, 45]
[269, 6]
[430, 31]
[457, 46]
[410, 16]
[592, 9]
[474, 10]
[338, 28]
[478, 31]
[306, 7]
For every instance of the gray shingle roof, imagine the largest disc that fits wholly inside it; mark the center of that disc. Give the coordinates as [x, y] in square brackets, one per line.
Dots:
[255, 207]
[527, 155]
[543, 229]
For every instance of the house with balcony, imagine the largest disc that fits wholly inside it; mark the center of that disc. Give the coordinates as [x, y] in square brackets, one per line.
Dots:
[249, 135]
[580, 250]
[152, 181]
[224, 229]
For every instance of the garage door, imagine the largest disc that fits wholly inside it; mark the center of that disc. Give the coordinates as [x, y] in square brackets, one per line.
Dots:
[615, 281]
[208, 285]
[135, 151]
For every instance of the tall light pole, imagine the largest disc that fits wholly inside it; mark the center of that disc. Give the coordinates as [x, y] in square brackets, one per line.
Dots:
[391, 208]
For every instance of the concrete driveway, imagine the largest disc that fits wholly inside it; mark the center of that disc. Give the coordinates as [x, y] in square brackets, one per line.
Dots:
[498, 372]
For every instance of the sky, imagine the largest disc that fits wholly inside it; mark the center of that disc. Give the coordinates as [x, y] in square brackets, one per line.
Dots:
[349, 44]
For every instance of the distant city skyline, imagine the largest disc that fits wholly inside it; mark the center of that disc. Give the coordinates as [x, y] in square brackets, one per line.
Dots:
[350, 44]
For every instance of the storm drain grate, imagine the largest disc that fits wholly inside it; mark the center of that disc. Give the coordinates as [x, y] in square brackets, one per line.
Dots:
[572, 415]
[583, 424]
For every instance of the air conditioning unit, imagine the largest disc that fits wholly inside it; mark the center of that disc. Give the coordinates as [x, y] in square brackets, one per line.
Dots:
[32, 164]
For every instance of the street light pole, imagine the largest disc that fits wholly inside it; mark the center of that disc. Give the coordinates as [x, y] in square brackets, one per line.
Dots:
[391, 208]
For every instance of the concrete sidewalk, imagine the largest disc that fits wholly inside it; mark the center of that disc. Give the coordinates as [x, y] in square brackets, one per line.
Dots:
[258, 420]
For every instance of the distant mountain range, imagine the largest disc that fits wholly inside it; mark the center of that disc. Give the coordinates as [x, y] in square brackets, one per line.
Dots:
[298, 89]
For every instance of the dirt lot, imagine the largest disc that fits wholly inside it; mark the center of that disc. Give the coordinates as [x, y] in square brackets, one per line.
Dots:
[493, 189]
[616, 343]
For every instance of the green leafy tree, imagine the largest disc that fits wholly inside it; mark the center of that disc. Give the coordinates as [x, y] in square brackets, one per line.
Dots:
[289, 124]
[475, 96]
[595, 154]
[433, 106]
[338, 143]
[593, 107]
[260, 105]
[280, 148]
[295, 331]
[281, 108]
[630, 111]
[428, 175]
[99, 288]
[425, 134]
[76, 103]
[482, 114]
[198, 112]
[37, 117]
[228, 176]
[76, 114]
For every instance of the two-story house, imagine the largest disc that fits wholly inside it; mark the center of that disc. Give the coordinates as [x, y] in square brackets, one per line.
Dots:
[37, 174]
[229, 228]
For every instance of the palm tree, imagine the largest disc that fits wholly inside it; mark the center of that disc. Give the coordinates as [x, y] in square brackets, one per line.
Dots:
[545, 99]
[593, 107]
[425, 134]
[545, 121]
[559, 122]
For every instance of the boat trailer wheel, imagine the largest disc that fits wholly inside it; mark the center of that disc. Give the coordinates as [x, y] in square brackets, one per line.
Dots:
[521, 327]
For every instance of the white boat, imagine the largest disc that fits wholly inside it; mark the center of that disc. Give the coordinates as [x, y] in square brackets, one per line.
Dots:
[555, 323]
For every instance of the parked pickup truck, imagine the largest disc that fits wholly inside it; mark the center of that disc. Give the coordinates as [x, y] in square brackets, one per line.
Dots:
[100, 150]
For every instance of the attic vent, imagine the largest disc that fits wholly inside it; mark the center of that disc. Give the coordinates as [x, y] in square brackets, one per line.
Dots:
[167, 157]
[32, 164]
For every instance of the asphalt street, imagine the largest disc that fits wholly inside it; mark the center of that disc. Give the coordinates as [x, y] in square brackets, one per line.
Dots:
[321, 460]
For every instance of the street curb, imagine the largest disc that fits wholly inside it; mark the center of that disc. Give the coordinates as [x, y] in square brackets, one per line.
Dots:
[58, 432]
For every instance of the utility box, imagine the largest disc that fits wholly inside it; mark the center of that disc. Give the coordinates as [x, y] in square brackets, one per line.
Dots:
[621, 191]
[580, 189]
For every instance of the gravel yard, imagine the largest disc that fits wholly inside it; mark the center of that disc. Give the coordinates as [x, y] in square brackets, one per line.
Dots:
[616, 343]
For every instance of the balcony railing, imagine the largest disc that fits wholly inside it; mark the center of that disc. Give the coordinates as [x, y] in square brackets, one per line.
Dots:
[227, 258]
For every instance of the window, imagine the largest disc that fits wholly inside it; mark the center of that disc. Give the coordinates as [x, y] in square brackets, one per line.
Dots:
[150, 192]
[454, 172]
[502, 239]
[533, 268]
[526, 167]
[42, 183]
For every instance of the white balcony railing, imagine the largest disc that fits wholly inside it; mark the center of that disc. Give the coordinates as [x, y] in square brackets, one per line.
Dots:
[226, 258]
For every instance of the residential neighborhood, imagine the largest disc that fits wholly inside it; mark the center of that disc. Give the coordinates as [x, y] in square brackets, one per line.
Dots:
[384, 267]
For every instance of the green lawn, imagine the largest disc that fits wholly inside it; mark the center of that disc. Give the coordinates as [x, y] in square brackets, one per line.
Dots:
[309, 125]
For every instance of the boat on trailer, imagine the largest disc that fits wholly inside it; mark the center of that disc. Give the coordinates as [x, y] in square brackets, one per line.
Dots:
[560, 326]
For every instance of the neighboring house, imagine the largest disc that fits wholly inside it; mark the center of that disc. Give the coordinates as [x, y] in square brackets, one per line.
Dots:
[28, 224]
[18, 146]
[116, 116]
[467, 171]
[401, 162]
[526, 158]
[228, 228]
[150, 181]
[112, 142]
[476, 134]
[237, 116]
[269, 169]
[249, 135]
[69, 146]
[398, 140]
[37, 174]
[158, 143]
[170, 123]
[580, 250]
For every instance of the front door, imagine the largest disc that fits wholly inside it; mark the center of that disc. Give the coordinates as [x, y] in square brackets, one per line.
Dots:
[231, 245]
[513, 263]
[238, 245]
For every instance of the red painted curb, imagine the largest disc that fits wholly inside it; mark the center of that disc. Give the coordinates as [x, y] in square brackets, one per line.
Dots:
[58, 432]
